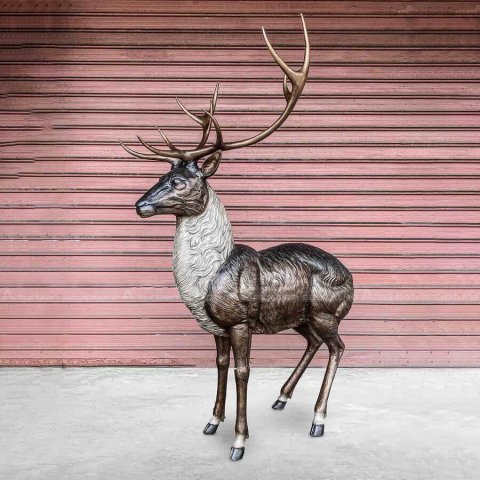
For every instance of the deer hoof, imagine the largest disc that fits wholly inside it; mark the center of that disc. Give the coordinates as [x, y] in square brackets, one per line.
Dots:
[210, 429]
[279, 405]
[317, 430]
[236, 453]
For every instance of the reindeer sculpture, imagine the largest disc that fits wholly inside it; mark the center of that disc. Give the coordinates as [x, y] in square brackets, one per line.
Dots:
[234, 291]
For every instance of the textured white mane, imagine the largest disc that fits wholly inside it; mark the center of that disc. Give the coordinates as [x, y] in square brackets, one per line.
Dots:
[202, 244]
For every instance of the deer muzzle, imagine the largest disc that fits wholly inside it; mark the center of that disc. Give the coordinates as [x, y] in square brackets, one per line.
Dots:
[144, 209]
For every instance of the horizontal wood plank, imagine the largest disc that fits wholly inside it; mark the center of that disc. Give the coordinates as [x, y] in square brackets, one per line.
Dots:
[206, 358]
[250, 7]
[165, 294]
[163, 247]
[319, 94]
[267, 216]
[72, 199]
[157, 278]
[241, 72]
[201, 342]
[235, 23]
[288, 38]
[162, 326]
[434, 184]
[267, 150]
[393, 311]
[240, 121]
[246, 233]
[322, 55]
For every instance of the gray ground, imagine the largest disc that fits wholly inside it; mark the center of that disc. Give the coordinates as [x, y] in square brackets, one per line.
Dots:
[135, 424]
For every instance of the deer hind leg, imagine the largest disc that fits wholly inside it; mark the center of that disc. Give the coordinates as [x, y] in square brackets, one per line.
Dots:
[223, 362]
[241, 339]
[313, 344]
[326, 326]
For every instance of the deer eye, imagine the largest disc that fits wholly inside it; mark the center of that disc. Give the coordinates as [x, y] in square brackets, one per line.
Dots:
[178, 184]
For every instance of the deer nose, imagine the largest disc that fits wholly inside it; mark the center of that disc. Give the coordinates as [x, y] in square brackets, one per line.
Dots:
[141, 203]
[144, 209]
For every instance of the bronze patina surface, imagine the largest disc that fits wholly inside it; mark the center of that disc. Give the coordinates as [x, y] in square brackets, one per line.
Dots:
[233, 290]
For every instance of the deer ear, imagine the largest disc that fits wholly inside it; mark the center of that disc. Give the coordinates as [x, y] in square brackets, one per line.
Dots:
[210, 165]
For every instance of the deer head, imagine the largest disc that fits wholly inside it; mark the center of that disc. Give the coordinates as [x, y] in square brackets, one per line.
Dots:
[183, 190]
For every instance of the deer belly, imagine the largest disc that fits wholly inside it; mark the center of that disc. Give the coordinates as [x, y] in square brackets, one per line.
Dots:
[282, 307]
[285, 294]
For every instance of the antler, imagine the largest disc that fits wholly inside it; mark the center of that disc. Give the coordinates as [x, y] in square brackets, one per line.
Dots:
[175, 155]
[297, 79]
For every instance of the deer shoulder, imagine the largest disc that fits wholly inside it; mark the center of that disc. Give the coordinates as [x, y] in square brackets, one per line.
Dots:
[234, 294]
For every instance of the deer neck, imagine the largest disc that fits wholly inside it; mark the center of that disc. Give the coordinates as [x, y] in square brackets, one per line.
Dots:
[202, 244]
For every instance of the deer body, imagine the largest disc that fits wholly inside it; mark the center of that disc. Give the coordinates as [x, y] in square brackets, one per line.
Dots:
[279, 288]
[234, 291]
[224, 284]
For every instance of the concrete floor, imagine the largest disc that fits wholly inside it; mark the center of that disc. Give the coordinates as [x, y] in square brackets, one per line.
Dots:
[135, 424]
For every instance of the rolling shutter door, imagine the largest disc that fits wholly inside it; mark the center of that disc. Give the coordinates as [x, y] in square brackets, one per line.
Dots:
[378, 164]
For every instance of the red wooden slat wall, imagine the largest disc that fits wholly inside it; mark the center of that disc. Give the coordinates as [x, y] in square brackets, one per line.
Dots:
[379, 164]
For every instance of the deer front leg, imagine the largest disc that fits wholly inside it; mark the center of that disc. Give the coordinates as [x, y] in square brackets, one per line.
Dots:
[241, 338]
[223, 362]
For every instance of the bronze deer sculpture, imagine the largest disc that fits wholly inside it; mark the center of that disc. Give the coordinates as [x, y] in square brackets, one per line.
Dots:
[233, 290]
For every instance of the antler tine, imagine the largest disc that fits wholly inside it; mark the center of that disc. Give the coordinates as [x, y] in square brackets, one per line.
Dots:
[148, 156]
[174, 155]
[188, 112]
[219, 140]
[213, 105]
[150, 147]
[170, 145]
[297, 77]
[202, 119]
[213, 102]
[286, 92]
[289, 72]
[306, 56]
[206, 126]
